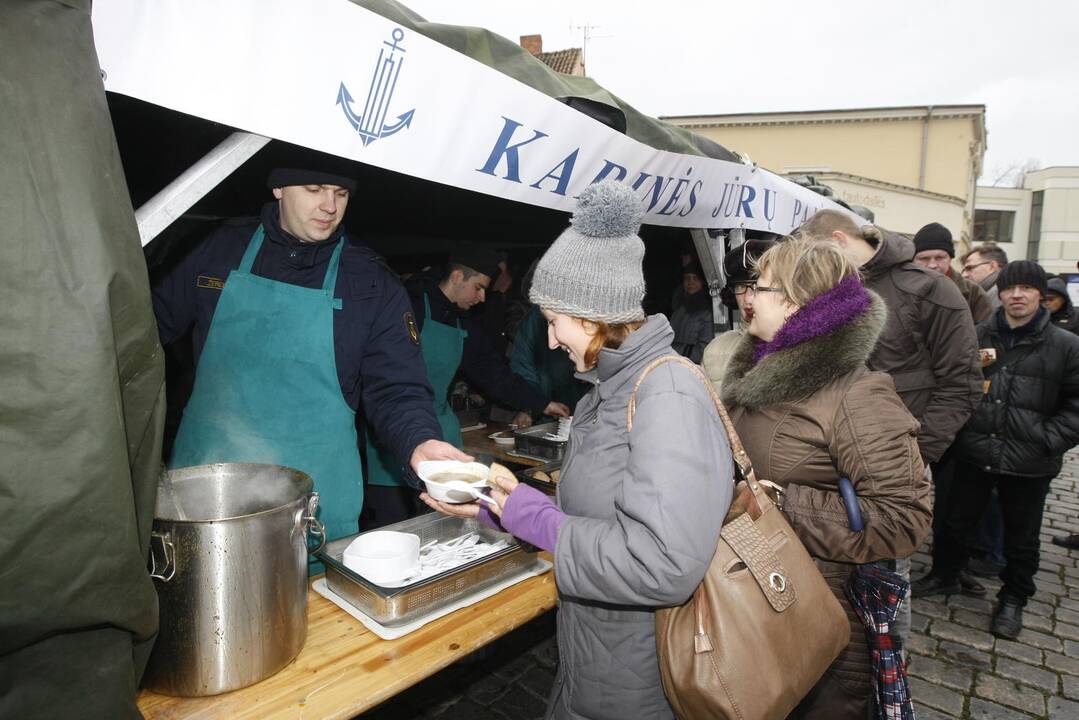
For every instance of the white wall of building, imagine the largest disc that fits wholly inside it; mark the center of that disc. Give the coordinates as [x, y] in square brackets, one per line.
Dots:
[1016, 200]
[895, 207]
[1056, 247]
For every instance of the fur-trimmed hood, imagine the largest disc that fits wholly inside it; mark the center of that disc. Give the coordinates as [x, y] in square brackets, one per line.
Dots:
[795, 373]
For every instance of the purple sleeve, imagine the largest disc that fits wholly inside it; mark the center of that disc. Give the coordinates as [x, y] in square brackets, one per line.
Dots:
[489, 519]
[533, 517]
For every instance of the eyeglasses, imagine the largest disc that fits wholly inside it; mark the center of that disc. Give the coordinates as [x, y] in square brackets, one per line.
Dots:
[741, 288]
[756, 288]
[967, 268]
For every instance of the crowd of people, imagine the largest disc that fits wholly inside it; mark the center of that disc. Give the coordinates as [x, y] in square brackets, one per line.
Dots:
[944, 397]
[881, 393]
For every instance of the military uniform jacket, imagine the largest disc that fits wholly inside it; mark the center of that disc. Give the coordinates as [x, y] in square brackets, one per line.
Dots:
[378, 360]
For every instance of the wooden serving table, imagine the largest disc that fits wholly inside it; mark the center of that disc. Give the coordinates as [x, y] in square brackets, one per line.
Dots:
[478, 442]
[345, 669]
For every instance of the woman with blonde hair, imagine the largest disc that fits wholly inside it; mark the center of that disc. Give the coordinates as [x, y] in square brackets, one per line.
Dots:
[809, 413]
[639, 511]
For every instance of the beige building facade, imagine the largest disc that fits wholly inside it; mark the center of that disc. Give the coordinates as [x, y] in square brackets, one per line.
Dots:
[909, 165]
[1039, 221]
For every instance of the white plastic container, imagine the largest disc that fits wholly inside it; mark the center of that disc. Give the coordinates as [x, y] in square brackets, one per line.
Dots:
[384, 556]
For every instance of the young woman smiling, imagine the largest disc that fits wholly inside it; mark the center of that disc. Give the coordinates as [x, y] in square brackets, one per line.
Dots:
[638, 513]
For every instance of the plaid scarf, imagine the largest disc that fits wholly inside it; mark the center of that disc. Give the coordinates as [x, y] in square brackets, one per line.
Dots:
[876, 594]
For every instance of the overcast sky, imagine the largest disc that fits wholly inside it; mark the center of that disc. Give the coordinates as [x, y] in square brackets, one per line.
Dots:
[682, 57]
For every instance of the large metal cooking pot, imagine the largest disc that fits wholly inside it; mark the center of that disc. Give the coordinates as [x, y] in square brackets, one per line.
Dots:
[228, 554]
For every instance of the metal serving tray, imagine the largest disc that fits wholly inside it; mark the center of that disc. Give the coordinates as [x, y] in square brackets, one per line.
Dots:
[396, 606]
[532, 441]
[530, 476]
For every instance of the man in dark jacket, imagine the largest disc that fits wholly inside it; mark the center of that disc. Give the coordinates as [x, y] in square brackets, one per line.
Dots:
[928, 345]
[451, 341]
[982, 265]
[1015, 441]
[934, 250]
[294, 326]
[1059, 305]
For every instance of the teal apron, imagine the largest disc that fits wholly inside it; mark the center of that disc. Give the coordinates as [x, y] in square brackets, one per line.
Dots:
[442, 347]
[266, 389]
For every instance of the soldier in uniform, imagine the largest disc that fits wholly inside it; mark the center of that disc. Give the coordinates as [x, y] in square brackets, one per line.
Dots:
[294, 326]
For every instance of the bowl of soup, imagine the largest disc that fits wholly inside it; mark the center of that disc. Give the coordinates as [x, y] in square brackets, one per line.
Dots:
[437, 473]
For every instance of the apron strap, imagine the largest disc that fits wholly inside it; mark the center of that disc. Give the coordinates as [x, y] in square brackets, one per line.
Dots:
[427, 316]
[252, 251]
[330, 281]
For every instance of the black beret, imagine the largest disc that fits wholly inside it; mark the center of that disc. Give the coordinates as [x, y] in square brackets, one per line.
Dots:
[480, 258]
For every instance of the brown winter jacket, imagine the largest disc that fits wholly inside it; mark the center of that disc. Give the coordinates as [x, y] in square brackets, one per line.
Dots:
[808, 415]
[977, 299]
[928, 345]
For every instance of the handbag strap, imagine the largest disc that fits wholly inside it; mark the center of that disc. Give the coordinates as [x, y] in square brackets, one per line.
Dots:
[741, 458]
[743, 537]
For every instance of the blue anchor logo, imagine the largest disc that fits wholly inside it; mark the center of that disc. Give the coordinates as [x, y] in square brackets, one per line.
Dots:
[372, 125]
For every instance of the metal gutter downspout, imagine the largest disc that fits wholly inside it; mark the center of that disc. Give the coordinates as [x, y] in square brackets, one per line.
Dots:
[925, 146]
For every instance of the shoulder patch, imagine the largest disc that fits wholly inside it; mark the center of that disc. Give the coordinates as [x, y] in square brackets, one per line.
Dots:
[413, 331]
[210, 283]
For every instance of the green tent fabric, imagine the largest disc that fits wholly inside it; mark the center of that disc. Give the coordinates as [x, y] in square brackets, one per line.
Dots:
[81, 383]
[510, 59]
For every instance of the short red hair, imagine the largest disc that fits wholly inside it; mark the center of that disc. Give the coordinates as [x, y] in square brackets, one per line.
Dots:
[606, 336]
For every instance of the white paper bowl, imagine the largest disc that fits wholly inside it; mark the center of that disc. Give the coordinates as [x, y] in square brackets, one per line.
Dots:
[384, 556]
[438, 491]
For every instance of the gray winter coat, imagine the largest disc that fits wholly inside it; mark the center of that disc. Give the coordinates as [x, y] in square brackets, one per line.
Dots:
[645, 510]
[693, 330]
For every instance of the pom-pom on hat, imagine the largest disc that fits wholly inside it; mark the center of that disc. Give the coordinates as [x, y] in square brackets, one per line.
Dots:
[593, 270]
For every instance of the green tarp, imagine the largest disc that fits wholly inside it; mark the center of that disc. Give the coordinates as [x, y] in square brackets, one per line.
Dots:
[81, 383]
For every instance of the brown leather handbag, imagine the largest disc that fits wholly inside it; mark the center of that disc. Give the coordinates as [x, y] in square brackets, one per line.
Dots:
[763, 626]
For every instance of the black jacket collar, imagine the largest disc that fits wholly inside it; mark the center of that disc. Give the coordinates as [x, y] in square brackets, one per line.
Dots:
[1031, 331]
[300, 254]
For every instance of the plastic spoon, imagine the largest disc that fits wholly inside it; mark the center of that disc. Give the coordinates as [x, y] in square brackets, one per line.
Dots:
[462, 486]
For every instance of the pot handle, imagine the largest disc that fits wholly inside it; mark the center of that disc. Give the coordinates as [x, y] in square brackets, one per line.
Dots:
[312, 525]
[167, 563]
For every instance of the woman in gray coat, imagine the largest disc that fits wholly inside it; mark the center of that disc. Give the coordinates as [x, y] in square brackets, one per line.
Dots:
[638, 513]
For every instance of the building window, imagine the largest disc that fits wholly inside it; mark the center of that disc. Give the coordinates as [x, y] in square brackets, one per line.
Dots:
[993, 226]
[1034, 243]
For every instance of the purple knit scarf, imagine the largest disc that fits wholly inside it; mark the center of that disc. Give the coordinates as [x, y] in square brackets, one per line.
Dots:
[827, 312]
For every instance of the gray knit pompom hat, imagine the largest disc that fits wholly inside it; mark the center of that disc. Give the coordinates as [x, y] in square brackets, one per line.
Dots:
[593, 270]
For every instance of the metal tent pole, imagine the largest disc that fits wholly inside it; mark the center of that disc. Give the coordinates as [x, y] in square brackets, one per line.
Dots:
[710, 252]
[163, 209]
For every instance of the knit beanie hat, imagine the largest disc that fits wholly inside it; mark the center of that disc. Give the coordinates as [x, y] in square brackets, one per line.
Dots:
[285, 176]
[1023, 272]
[593, 270]
[934, 236]
[1057, 285]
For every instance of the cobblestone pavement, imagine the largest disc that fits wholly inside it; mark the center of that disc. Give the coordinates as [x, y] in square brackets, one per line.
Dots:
[958, 670]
